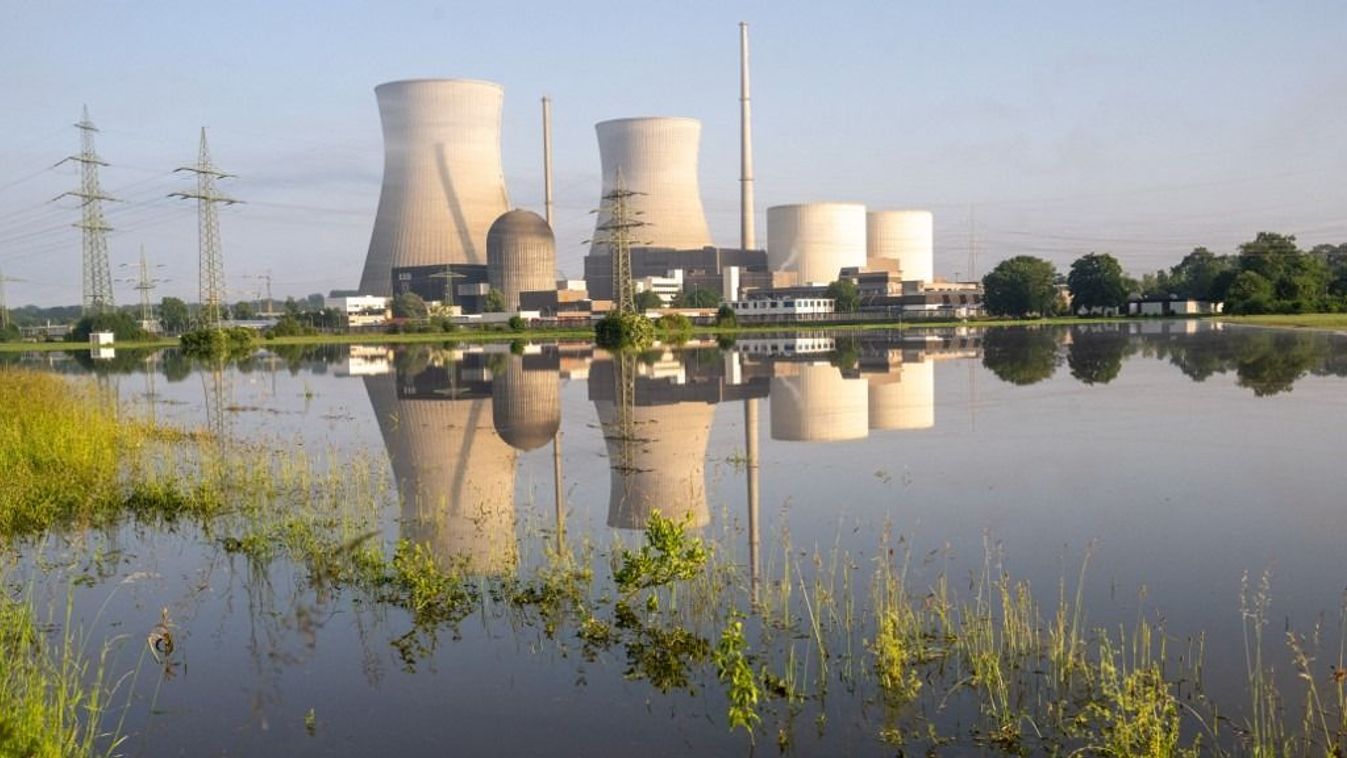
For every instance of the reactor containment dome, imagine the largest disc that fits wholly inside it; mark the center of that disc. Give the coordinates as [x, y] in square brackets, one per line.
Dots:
[815, 240]
[657, 158]
[521, 256]
[443, 184]
[907, 237]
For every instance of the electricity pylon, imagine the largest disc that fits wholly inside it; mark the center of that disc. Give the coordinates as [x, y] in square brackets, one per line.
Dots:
[616, 234]
[92, 225]
[267, 279]
[145, 284]
[4, 307]
[211, 281]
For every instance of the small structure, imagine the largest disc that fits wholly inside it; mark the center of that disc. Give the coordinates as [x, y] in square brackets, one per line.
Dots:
[361, 310]
[784, 307]
[101, 339]
[1164, 306]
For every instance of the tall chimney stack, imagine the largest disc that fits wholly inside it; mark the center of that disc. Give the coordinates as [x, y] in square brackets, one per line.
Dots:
[547, 159]
[746, 236]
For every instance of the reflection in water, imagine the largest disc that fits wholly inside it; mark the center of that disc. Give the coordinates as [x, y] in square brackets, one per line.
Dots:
[816, 402]
[1095, 355]
[903, 398]
[526, 399]
[1021, 355]
[455, 475]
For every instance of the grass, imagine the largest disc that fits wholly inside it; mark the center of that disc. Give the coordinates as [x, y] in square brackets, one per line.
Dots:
[1328, 321]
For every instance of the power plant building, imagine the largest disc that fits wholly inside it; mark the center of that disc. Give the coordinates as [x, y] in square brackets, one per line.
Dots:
[443, 184]
[905, 237]
[815, 241]
[521, 256]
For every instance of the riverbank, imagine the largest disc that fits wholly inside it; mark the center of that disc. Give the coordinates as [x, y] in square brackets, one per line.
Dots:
[1333, 322]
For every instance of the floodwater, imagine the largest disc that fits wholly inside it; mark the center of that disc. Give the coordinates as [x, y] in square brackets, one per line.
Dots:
[1178, 456]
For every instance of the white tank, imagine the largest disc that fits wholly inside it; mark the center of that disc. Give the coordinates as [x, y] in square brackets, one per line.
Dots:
[443, 184]
[816, 240]
[904, 236]
[904, 398]
[814, 402]
[657, 157]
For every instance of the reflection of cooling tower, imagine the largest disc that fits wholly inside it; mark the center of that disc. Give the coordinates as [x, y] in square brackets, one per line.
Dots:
[443, 184]
[667, 463]
[904, 398]
[521, 256]
[456, 477]
[904, 236]
[526, 404]
[657, 157]
[813, 402]
[815, 239]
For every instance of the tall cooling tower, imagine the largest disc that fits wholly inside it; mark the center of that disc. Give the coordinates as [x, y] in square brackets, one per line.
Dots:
[455, 476]
[816, 240]
[658, 158]
[904, 236]
[443, 183]
[904, 398]
[813, 402]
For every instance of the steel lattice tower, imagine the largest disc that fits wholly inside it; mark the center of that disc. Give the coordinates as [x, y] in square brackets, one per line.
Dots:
[94, 228]
[615, 233]
[211, 281]
[145, 284]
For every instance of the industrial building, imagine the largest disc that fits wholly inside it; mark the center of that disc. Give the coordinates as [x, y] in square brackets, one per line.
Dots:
[521, 256]
[702, 268]
[813, 242]
[906, 238]
[443, 185]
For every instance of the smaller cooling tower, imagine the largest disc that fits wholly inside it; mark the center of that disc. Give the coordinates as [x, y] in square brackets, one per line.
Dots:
[904, 398]
[907, 237]
[816, 240]
[813, 402]
[521, 256]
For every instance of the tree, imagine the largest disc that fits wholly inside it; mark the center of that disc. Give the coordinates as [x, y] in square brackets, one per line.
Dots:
[647, 300]
[494, 302]
[1096, 282]
[243, 311]
[1299, 282]
[123, 327]
[1021, 286]
[1200, 274]
[698, 297]
[726, 318]
[1251, 292]
[845, 294]
[406, 305]
[173, 315]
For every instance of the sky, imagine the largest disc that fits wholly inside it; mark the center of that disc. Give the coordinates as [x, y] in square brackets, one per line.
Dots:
[1054, 129]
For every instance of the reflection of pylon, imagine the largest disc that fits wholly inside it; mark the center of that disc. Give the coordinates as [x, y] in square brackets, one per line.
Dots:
[615, 233]
[211, 278]
[217, 387]
[624, 378]
[97, 274]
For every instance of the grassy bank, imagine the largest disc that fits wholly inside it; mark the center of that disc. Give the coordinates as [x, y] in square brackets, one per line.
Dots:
[1322, 321]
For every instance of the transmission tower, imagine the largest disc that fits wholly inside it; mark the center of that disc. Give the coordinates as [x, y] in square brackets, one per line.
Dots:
[145, 284]
[211, 279]
[94, 228]
[616, 233]
[4, 307]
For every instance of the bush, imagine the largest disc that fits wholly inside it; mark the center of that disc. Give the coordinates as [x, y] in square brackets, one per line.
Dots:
[218, 343]
[674, 327]
[726, 318]
[623, 331]
[123, 327]
[289, 326]
[517, 323]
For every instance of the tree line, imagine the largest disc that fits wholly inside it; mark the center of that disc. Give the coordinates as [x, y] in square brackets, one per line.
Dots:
[1269, 274]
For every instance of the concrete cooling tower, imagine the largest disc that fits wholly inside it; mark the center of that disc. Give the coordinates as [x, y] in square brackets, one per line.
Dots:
[526, 400]
[455, 476]
[816, 240]
[521, 256]
[666, 469]
[813, 402]
[907, 237]
[443, 183]
[904, 398]
[656, 157]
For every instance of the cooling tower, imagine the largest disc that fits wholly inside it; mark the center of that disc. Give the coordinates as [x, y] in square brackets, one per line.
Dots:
[816, 240]
[521, 256]
[904, 398]
[813, 402]
[658, 158]
[526, 400]
[904, 236]
[664, 467]
[455, 476]
[443, 183]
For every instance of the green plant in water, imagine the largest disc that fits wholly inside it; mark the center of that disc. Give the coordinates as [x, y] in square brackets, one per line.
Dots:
[893, 664]
[735, 672]
[668, 555]
[1138, 713]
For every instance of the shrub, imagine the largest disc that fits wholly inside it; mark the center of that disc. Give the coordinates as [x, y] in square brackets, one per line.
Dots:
[622, 331]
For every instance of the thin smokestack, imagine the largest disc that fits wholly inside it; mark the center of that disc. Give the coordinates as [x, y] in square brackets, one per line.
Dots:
[547, 159]
[747, 238]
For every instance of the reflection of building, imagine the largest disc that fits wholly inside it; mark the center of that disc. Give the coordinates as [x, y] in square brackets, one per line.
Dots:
[904, 396]
[815, 402]
[455, 475]
[443, 184]
[526, 399]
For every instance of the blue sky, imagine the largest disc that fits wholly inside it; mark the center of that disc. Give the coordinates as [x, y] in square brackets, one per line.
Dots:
[1143, 129]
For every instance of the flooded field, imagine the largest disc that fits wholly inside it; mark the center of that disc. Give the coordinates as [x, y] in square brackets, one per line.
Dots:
[1112, 538]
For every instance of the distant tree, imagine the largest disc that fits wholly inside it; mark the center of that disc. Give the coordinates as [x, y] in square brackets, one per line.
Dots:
[1250, 292]
[123, 327]
[697, 297]
[1096, 282]
[173, 315]
[291, 307]
[408, 305]
[1201, 273]
[845, 294]
[244, 311]
[1299, 281]
[725, 317]
[494, 302]
[1021, 355]
[315, 301]
[647, 300]
[9, 333]
[1021, 286]
[1156, 285]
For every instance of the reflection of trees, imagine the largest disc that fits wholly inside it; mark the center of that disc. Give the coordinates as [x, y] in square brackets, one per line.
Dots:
[1095, 356]
[1265, 361]
[1021, 355]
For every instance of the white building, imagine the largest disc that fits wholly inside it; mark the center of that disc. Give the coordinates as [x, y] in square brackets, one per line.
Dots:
[361, 310]
[784, 306]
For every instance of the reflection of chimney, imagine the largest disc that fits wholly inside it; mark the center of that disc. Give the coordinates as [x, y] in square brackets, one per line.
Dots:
[813, 402]
[455, 477]
[904, 398]
[667, 463]
[751, 470]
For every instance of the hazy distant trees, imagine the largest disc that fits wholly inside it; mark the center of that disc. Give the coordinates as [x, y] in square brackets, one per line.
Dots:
[697, 297]
[647, 300]
[173, 315]
[1021, 286]
[244, 311]
[845, 294]
[1097, 284]
[494, 302]
[1275, 276]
